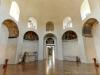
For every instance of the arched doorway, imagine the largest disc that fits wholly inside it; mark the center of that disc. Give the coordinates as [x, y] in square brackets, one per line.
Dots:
[88, 32]
[12, 40]
[30, 45]
[70, 46]
[49, 46]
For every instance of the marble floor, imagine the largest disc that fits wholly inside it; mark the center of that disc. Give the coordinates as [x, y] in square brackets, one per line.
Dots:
[49, 67]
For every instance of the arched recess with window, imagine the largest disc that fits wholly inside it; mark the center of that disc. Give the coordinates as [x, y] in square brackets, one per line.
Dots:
[89, 31]
[30, 44]
[50, 46]
[70, 47]
[49, 26]
[12, 39]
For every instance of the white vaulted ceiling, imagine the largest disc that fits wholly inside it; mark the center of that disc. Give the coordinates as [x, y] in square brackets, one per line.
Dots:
[42, 10]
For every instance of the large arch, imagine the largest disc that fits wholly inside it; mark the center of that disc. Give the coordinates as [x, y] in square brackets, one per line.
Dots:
[30, 45]
[88, 32]
[12, 28]
[88, 26]
[70, 47]
[11, 47]
[49, 42]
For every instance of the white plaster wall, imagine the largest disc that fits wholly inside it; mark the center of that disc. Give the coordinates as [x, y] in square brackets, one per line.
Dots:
[30, 46]
[96, 36]
[19, 48]
[70, 50]
[90, 49]
[11, 50]
[3, 43]
[96, 31]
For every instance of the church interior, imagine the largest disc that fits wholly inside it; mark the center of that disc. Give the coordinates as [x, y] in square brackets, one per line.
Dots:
[49, 37]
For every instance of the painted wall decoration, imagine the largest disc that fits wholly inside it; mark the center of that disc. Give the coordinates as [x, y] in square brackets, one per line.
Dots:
[88, 26]
[12, 28]
[30, 35]
[69, 35]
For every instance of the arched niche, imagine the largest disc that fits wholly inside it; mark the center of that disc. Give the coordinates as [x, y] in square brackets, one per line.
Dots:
[12, 40]
[88, 26]
[89, 30]
[69, 35]
[50, 41]
[70, 47]
[31, 35]
[12, 28]
[50, 46]
[30, 45]
[49, 26]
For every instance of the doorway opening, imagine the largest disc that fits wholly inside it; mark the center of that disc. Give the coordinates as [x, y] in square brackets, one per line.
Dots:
[49, 47]
[50, 52]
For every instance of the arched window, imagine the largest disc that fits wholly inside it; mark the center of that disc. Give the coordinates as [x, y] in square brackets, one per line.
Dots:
[15, 11]
[32, 23]
[49, 26]
[67, 23]
[85, 9]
